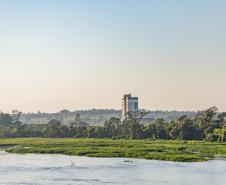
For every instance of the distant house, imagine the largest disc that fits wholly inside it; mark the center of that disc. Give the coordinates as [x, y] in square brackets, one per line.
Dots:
[78, 122]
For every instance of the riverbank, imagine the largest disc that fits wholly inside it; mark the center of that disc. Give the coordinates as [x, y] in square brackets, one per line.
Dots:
[183, 151]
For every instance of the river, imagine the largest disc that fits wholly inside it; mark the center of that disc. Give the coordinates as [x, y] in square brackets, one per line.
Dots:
[47, 169]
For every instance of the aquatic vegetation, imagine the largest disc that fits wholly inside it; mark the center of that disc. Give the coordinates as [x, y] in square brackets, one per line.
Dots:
[170, 150]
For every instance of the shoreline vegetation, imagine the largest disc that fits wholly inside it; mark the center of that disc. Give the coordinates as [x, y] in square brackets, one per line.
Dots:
[183, 139]
[167, 150]
[207, 125]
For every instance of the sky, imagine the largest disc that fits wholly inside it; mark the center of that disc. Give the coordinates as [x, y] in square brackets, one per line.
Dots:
[82, 54]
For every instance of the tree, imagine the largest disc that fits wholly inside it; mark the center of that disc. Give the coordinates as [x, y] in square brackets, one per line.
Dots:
[133, 121]
[218, 122]
[184, 128]
[219, 133]
[111, 126]
[161, 128]
[16, 115]
[78, 122]
[205, 120]
[151, 131]
[77, 118]
[53, 129]
[5, 120]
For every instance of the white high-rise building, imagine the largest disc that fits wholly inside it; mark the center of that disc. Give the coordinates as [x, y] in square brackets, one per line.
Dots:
[129, 104]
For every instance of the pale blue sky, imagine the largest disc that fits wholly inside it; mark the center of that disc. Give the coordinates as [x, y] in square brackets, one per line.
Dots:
[84, 54]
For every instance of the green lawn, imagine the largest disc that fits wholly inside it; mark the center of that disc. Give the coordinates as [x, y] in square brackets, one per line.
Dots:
[191, 151]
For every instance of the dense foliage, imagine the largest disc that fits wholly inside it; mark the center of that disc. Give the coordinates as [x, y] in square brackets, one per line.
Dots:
[206, 125]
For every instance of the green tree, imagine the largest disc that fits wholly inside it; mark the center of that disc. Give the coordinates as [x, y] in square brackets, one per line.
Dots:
[53, 129]
[111, 126]
[161, 128]
[151, 131]
[184, 128]
[5, 120]
[133, 123]
[205, 120]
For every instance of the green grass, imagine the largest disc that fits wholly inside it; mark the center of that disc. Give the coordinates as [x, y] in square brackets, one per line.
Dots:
[191, 151]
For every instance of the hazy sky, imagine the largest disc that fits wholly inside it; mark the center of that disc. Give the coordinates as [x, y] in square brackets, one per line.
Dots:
[57, 54]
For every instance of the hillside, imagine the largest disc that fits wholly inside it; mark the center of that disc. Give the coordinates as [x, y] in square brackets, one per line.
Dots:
[96, 116]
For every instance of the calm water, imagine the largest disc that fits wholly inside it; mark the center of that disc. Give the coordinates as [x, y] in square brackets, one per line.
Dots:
[35, 169]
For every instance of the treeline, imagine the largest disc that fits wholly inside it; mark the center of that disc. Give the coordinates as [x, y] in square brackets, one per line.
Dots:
[93, 116]
[206, 125]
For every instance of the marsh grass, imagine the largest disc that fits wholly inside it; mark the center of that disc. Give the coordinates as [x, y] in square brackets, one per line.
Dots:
[183, 151]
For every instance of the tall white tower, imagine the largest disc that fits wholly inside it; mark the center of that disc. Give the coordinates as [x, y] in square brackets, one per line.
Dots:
[129, 104]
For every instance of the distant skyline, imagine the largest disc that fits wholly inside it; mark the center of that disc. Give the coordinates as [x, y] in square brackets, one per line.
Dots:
[83, 54]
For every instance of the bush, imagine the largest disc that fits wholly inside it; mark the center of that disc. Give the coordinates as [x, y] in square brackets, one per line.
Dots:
[212, 138]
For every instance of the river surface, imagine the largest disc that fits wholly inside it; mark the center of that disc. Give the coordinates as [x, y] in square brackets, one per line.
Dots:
[48, 169]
